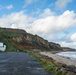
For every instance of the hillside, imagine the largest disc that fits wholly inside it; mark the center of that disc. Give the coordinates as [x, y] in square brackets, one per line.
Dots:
[17, 39]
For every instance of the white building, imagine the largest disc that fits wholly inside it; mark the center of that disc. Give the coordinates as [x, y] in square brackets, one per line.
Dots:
[2, 47]
[1, 44]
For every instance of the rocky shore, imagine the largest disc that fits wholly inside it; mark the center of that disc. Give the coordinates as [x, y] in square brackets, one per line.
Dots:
[60, 59]
[66, 64]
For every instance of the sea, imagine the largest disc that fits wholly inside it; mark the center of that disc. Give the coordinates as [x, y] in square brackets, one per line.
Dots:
[69, 54]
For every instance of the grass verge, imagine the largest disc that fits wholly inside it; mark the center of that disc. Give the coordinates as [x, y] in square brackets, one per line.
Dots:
[48, 65]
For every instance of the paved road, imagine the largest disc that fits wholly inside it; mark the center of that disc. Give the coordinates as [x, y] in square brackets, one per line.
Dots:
[18, 63]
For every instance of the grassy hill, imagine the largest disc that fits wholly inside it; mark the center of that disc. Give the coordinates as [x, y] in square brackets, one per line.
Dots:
[17, 39]
[6, 38]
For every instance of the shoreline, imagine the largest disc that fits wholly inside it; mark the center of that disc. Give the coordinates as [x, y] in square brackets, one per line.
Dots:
[60, 59]
[68, 54]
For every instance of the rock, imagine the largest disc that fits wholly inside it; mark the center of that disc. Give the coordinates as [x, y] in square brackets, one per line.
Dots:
[71, 73]
[55, 46]
[36, 42]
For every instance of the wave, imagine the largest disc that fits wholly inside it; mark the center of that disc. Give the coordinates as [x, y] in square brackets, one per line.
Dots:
[70, 54]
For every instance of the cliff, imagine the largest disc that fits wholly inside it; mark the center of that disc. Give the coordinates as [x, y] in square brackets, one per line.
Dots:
[29, 41]
[24, 40]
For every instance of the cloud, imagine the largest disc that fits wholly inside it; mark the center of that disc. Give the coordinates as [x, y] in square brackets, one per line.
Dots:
[6, 7]
[47, 12]
[28, 2]
[67, 44]
[9, 7]
[48, 25]
[71, 43]
[16, 20]
[53, 24]
[73, 37]
[61, 4]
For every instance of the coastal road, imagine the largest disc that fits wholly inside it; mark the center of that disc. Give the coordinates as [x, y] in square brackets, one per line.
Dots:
[18, 63]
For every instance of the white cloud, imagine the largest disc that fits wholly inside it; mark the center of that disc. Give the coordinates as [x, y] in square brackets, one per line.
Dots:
[6, 7]
[67, 44]
[71, 43]
[9, 6]
[61, 4]
[16, 20]
[47, 12]
[47, 26]
[53, 24]
[73, 37]
[28, 2]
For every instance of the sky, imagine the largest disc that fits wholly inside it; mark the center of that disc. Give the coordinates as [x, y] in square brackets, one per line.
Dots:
[54, 20]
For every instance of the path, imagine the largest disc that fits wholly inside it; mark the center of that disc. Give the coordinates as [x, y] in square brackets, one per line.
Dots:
[18, 63]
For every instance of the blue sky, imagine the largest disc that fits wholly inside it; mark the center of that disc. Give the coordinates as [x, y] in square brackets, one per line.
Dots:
[54, 20]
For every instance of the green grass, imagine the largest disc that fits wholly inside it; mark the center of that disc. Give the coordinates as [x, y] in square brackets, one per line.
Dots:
[47, 65]
[10, 47]
[5, 37]
[9, 34]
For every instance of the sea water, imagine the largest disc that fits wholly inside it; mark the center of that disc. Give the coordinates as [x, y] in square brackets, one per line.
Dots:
[69, 54]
